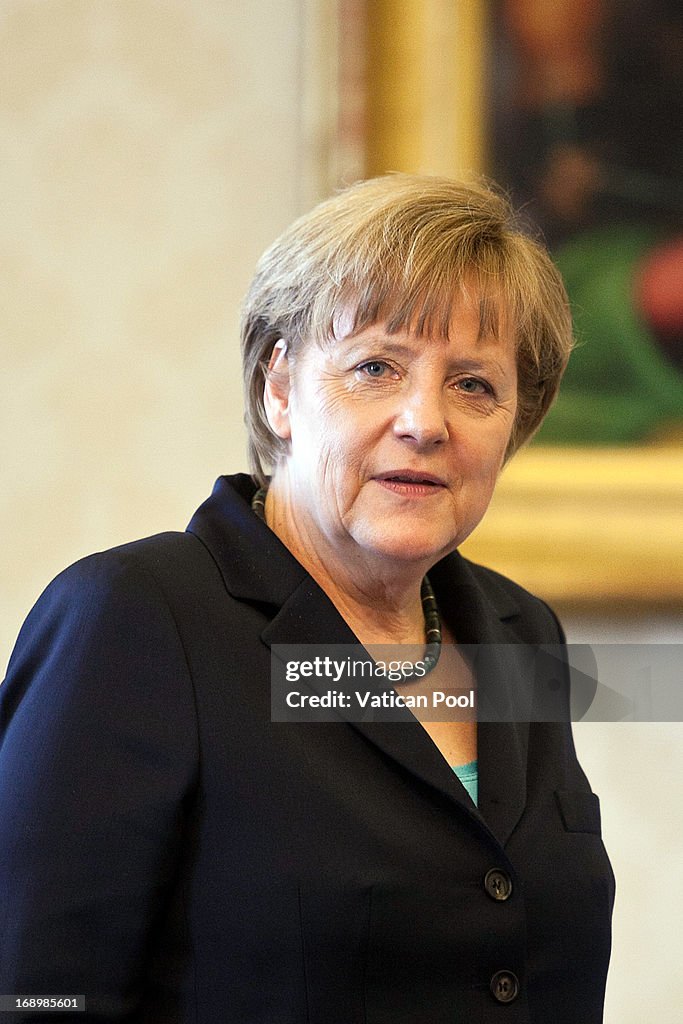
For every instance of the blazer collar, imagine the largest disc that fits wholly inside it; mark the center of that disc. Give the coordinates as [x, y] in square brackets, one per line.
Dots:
[257, 567]
[253, 562]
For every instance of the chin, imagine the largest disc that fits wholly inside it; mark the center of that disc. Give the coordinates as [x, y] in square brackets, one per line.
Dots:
[410, 547]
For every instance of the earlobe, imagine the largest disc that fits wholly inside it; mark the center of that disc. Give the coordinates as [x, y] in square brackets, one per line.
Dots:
[276, 391]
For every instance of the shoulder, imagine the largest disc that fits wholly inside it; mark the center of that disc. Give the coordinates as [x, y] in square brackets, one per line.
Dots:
[113, 608]
[100, 661]
[528, 618]
[150, 568]
[528, 603]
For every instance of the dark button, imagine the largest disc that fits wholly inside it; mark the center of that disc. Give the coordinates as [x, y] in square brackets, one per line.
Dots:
[504, 986]
[498, 884]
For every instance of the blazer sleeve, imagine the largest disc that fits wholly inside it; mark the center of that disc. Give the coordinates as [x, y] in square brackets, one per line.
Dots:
[98, 754]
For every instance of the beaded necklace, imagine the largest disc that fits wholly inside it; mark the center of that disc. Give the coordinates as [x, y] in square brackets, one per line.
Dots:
[430, 610]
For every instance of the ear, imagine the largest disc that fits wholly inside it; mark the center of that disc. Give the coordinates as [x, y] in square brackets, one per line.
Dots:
[276, 391]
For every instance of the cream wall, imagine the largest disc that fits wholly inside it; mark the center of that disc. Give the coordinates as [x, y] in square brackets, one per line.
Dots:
[637, 768]
[149, 150]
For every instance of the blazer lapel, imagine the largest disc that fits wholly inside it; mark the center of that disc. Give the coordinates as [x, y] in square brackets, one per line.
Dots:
[257, 567]
[478, 618]
[482, 613]
[309, 617]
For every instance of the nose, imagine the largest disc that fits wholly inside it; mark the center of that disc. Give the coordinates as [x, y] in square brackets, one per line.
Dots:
[421, 418]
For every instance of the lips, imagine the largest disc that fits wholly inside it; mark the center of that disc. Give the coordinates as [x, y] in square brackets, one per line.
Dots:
[411, 476]
[410, 484]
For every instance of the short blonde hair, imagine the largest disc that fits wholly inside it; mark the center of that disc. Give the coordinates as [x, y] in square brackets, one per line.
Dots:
[400, 249]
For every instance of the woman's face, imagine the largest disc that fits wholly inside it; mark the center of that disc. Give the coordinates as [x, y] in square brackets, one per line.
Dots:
[396, 440]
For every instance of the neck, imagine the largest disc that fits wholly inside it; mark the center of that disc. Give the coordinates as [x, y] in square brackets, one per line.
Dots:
[379, 599]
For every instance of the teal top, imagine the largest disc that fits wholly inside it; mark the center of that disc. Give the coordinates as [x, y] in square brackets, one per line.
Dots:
[469, 776]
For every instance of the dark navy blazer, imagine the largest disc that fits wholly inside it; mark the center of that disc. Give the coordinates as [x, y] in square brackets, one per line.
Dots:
[173, 855]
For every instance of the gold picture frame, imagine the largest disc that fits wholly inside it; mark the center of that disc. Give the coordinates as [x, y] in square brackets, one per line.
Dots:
[587, 526]
[581, 526]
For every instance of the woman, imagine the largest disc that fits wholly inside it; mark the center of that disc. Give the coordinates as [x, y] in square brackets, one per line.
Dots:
[171, 853]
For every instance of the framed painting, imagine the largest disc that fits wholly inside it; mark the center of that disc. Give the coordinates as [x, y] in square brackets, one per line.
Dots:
[585, 132]
[574, 107]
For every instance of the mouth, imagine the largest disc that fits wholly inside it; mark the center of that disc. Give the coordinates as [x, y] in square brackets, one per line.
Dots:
[410, 482]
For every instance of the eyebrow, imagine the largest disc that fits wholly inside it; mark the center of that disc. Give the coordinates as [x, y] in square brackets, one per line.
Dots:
[387, 345]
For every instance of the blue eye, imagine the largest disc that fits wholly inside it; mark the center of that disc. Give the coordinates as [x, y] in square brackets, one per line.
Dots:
[374, 368]
[474, 386]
